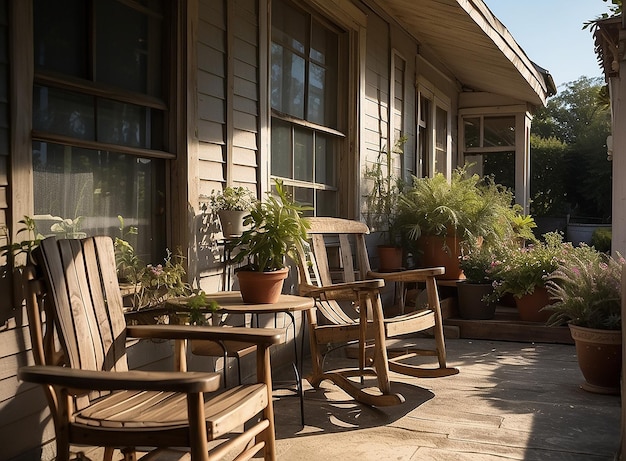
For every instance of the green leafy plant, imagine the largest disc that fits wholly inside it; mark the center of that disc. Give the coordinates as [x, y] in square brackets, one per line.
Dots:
[30, 240]
[232, 199]
[468, 206]
[587, 289]
[198, 305]
[477, 263]
[520, 269]
[601, 239]
[68, 228]
[382, 200]
[278, 228]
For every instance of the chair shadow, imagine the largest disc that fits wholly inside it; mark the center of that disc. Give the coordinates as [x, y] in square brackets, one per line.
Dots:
[328, 409]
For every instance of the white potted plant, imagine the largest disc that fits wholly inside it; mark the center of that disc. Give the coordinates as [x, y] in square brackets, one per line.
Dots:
[232, 205]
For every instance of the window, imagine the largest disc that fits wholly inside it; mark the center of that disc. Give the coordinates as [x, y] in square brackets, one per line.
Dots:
[99, 116]
[489, 147]
[306, 129]
[434, 139]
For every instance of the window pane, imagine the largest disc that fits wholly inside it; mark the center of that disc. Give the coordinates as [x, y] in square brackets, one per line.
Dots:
[324, 160]
[120, 123]
[63, 112]
[326, 203]
[472, 132]
[303, 155]
[281, 149]
[128, 44]
[304, 197]
[289, 26]
[60, 36]
[98, 186]
[499, 164]
[287, 82]
[441, 140]
[499, 131]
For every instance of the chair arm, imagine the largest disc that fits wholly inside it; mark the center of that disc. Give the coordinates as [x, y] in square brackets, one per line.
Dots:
[259, 336]
[73, 378]
[336, 289]
[413, 275]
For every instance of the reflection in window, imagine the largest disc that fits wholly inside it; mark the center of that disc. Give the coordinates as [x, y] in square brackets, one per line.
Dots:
[83, 50]
[304, 92]
[98, 186]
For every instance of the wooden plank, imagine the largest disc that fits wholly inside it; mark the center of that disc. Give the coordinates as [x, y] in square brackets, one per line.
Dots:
[510, 330]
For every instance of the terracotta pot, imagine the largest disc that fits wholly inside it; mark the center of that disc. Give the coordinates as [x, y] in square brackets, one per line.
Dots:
[470, 301]
[529, 306]
[441, 251]
[389, 258]
[261, 287]
[232, 222]
[599, 355]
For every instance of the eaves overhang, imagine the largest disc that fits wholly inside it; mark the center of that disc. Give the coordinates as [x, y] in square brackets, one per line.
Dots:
[475, 47]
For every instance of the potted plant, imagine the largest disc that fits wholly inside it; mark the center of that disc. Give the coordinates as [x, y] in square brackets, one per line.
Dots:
[474, 300]
[382, 207]
[586, 288]
[231, 205]
[521, 270]
[443, 215]
[277, 229]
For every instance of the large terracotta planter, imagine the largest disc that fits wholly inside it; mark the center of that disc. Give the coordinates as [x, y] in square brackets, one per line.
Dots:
[599, 355]
[389, 258]
[529, 306]
[470, 301]
[261, 287]
[441, 251]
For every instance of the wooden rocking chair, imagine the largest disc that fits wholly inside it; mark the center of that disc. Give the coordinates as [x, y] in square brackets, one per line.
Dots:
[93, 397]
[349, 281]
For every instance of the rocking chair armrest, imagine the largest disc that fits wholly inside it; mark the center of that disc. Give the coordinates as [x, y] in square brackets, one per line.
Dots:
[331, 291]
[76, 379]
[413, 275]
[258, 336]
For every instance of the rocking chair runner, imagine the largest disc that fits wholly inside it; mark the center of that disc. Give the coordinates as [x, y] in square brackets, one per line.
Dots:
[95, 400]
[353, 282]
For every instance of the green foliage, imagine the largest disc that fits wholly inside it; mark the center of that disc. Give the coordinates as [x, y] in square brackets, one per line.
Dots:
[519, 269]
[577, 118]
[232, 199]
[153, 284]
[587, 288]
[601, 239]
[547, 188]
[382, 200]
[198, 305]
[30, 240]
[477, 262]
[469, 206]
[277, 229]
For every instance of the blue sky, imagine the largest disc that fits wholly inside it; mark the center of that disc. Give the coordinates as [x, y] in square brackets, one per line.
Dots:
[550, 32]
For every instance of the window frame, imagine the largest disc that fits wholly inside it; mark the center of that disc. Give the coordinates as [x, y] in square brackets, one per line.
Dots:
[438, 100]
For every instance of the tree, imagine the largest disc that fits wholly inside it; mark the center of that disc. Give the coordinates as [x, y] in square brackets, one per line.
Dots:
[578, 119]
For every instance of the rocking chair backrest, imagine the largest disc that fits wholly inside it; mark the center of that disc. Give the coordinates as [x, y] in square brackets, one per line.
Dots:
[82, 287]
[345, 240]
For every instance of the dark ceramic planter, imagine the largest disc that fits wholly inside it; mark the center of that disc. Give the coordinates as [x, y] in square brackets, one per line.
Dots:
[470, 301]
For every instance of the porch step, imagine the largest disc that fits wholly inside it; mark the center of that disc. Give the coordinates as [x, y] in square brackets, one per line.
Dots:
[506, 326]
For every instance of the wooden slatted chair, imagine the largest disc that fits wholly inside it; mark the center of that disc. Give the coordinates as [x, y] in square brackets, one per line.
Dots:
[347, 296]
[93, 397]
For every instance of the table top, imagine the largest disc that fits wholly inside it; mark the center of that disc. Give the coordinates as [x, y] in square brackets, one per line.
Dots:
[230, 301]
